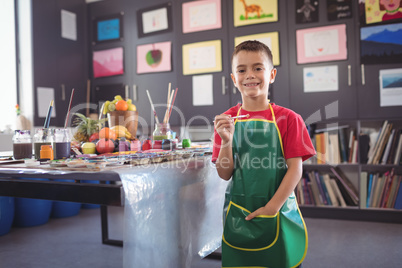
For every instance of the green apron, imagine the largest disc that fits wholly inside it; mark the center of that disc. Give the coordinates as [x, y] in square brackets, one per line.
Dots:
[278, 240]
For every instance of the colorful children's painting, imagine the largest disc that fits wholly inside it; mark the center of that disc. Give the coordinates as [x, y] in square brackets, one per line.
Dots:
[306, 11]
[318, 44]
[201, 15]
[377, 11]
[152, 58]
[381, 44]
[248, 12]
[269, 39]
[108, 62]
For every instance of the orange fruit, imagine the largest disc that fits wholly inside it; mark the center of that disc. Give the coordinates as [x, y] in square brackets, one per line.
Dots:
[107, 133]
[121, 105]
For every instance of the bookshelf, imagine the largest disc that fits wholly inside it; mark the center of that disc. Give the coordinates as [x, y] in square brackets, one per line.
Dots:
[356, 172]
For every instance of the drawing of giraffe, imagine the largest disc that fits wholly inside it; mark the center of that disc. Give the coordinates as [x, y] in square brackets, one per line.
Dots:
[251, 9]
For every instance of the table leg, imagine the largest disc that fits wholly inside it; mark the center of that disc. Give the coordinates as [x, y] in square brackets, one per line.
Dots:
[105, 229]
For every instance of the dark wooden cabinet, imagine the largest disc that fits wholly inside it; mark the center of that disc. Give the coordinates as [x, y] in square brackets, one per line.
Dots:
[59, 63]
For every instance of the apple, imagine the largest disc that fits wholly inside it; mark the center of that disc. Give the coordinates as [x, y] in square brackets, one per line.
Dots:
[88, 148]
[154, 57]
[105, 146]
[94, 136]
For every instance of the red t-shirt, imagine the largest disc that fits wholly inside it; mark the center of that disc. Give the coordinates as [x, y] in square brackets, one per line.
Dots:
[295, 137]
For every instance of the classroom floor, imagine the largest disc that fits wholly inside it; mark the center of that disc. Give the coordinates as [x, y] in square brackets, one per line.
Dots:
[75, 242]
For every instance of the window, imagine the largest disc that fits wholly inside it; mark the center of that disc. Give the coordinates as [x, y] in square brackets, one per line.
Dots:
[8, 68]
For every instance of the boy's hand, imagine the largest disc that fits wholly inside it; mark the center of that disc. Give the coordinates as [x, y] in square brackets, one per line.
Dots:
[224, 125]
[267, 210]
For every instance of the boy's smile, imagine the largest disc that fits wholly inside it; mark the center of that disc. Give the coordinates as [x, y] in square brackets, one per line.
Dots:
[252, 74]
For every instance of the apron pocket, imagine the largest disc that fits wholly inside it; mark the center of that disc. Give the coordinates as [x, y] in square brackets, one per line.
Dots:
[257, 234]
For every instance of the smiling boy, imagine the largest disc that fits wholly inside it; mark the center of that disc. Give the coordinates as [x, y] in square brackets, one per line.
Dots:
[263, 155]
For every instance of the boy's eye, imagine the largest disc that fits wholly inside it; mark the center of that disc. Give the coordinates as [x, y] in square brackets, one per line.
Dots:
[240, 71]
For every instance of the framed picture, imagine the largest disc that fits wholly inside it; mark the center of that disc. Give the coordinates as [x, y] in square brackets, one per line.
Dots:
[153, 58]
[306, 11]
[108, 28]
[380, 45]
[391, 87]
[380, 11]
[246, 12]
[154, 20]
[108, 62]
[269, 39]
[319, 44]
[339, 9]
[202, 57]
[201, 15]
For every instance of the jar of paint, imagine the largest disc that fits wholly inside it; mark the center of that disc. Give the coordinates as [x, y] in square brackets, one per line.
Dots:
[162, 132]
[43, 136]
[22, 144]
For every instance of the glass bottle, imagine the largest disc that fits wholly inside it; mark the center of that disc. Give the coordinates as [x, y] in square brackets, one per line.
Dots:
[43, 136]
[62, 143]
[162, 132]
[22, 144]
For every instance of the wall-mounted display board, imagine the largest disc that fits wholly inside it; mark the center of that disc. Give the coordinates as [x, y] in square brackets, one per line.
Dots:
[380, 11]
[202, 57]
[154, 20]
[108, 62]
[246, 12]
[109, 28]
[153, 58]
[306, 11]
[318, 44]
[201, 15]
[380, 45]
[269, 39]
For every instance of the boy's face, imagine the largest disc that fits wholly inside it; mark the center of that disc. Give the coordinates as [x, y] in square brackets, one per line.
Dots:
[252, 73]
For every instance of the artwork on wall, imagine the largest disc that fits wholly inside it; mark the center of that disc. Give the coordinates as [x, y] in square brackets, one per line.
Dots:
[391, 87]
[306, 11]
[108, 28]
[201, 15]
[339, 9]
[381, 44]
[246, 12]
[319, 44]
[202, 57]
[108, 62]
[152, 58]
[380, 11]
[154, 20]
[320, 79]
[269, 39]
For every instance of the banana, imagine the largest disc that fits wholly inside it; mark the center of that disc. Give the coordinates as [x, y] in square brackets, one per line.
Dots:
[120, 130]
[128, 135]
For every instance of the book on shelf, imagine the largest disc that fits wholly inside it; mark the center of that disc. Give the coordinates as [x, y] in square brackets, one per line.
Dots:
[373, 152]
[352, 139]
[322, 189]
[346, 184]
[394, 146]
[398, 151]
[343, 146]
[388, 147]
[318, 198]
[363, 190]
[338, 193]
[382, 143]
[382, 189]
[331, 193]
[364, 147]
[398, 199]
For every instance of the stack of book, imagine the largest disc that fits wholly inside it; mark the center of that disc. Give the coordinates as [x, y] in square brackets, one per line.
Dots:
[381, 190]
[386, 146]
[326, 190]
[336, 146]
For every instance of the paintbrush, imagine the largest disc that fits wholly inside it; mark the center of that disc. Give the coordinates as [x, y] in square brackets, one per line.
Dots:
[239, 116]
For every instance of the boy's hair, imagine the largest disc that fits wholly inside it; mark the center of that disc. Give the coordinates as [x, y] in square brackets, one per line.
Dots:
[255, 46]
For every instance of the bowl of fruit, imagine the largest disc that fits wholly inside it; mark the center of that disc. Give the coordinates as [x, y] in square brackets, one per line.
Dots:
[122, 117]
